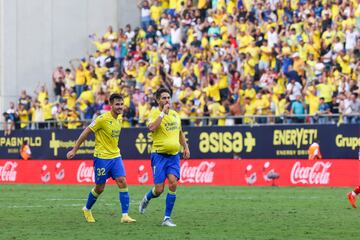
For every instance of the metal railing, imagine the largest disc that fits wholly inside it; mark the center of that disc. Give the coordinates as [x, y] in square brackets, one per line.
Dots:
[206, 121]
[278, 120]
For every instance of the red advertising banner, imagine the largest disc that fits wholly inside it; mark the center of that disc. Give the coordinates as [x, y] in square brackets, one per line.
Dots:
[230, 172]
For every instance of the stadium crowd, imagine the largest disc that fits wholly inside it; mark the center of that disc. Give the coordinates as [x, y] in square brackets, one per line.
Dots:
[220, 58]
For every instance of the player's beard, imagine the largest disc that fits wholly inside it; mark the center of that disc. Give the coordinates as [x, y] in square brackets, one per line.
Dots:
[162, 105]
[118, 112]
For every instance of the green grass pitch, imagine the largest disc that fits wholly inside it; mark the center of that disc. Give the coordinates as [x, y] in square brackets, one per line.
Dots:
[201, 212]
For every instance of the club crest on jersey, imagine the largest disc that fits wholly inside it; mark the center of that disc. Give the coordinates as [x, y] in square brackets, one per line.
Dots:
[115, 133]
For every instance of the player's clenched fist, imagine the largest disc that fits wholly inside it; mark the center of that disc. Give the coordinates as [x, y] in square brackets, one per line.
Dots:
[166, 108]
[186, 153]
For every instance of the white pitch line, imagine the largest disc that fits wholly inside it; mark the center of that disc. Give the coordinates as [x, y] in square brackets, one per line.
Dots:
[288, 197]
[42, 206]
[62, 205]
[77, 199]
[65, 199]
[291, 197]
[52, 199]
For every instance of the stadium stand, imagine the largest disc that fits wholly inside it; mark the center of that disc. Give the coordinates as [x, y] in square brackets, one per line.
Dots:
[283, 61]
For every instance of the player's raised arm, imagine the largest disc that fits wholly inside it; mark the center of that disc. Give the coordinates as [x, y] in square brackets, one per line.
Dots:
[78, 143]
[155, 124]
[183, 143]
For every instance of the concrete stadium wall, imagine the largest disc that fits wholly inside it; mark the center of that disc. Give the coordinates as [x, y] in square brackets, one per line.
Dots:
[38, 35]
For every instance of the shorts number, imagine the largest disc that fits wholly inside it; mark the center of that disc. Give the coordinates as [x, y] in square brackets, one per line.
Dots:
[100, 171]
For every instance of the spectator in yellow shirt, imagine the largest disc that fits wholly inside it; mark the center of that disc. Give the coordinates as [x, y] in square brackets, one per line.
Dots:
[142, 112]
[298, 64]
[86, 102]
[312, 101]
[42, 94]
[100, 71]
[102, 45]
[80, 77]
[261, 105]
[73, 120]
[24, 116]
[266, 53]
[213, 90]
[37, 115]
[61, 116]
[250, 91]
[281, 105]
[155, 11]
[110, 35]
[214, 110]
[249, 111]
[325, 90]
[47, 110]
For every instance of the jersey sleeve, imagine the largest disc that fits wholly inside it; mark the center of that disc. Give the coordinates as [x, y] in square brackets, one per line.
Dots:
[96, 124]
[152, 116]
[180, 125]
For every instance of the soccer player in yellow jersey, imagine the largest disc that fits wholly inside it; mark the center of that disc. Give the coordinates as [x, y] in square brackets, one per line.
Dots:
[165, 125]
[107, 158]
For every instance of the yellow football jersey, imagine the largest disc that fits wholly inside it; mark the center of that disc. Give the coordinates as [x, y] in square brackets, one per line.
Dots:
[107, 131]
[166, 137]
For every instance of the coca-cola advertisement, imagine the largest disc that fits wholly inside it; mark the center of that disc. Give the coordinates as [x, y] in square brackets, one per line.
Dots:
[318, 173]
[202, 172]
[8, 171]
[226, 172]
[85, 173]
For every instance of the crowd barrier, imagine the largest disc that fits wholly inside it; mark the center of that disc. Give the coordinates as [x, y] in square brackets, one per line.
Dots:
[244, 142]
[225, 172]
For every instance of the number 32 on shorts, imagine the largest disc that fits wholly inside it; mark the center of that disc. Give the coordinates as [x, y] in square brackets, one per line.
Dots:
[100, 171]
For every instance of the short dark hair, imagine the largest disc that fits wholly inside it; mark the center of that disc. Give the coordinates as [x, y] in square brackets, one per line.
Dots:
[160, 91]
[115, 96]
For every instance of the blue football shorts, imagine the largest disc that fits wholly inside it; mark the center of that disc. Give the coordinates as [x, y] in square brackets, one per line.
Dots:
[105, 168]
[163, 164]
